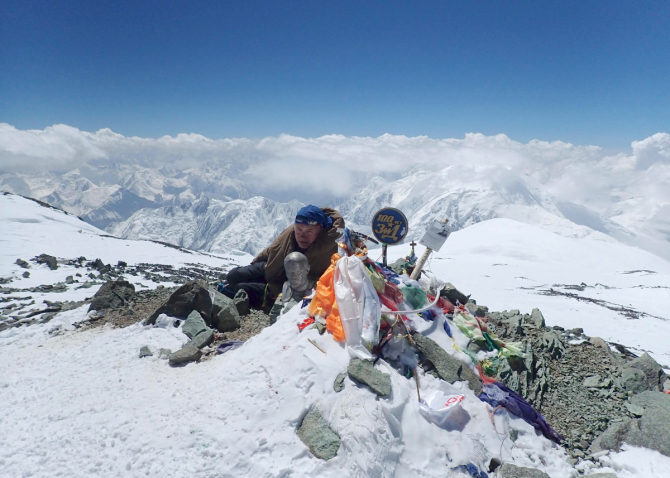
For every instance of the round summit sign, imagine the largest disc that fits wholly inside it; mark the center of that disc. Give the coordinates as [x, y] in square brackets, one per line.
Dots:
[389, 226]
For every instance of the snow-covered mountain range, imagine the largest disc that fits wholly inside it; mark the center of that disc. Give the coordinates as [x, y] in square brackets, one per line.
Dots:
[210, 189]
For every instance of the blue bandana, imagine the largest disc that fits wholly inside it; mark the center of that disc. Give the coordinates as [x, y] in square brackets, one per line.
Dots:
[313, 216]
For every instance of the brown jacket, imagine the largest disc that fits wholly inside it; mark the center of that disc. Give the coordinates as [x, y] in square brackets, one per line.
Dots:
[318, 254]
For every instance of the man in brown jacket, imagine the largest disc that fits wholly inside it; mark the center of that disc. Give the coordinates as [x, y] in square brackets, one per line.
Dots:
[314, 234]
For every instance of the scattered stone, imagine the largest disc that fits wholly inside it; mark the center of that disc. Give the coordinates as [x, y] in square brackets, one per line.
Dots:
[69, 280]
[164, 353]
[364, 371]
[121, 264]
[448, 368]
[189, 353]
[338, 385]
[112, 295]
[241, 301]
[512, 471]
[315, 433]
[145, 352]
[194, 324]
[26, 274]
[22, 263]
[225, 316]
[48, 260]
[652, 370]
[191, 296]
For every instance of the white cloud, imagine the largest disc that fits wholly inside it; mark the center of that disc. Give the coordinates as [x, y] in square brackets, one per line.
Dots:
[333, 165]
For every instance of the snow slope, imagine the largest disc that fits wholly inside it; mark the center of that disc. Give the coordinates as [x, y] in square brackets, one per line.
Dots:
[84, 404]
[30, 229]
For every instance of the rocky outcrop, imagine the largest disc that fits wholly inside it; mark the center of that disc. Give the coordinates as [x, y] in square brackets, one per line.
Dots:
[317, 435]
[50, 261]
[112, 295]
[651, 430]
[652, 371]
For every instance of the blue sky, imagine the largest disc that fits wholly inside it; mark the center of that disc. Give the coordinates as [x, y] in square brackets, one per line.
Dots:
[585, 72]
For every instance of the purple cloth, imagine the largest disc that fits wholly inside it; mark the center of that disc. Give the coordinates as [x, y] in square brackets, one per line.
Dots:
[516, 405]
[228, 346]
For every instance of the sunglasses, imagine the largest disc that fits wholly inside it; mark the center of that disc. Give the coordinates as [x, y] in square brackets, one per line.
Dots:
[304, 220]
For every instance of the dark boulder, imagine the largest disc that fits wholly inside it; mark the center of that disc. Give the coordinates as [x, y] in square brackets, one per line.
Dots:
[48, 260]
[191, 296]
[112, 295]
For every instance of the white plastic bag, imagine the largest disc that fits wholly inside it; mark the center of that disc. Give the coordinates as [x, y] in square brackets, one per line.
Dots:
[357, 301]
[437, 406]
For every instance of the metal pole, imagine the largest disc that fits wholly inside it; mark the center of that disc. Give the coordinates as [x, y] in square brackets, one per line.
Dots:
[420, 264]
[384, 251]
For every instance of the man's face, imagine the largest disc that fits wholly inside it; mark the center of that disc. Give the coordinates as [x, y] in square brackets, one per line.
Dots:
[305, 235]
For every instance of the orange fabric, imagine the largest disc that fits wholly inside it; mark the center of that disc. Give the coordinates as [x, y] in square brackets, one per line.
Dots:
[324, 304]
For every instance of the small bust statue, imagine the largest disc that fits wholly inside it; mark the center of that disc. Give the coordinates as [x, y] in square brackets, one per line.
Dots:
[298, 284]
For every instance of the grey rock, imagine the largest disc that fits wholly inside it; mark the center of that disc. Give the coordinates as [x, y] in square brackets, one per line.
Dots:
[512, 471]
[477, 310]
[513, 434]
[634, 409]
[189, 353]
[633, 380]
[601, 475]
[592, 381]
[145, 352]
[48, 260]
[112, 295]
[164, 353]
[317, 435]
[364, 372]
[69, 280]
[651, 369]
[22, 263]
[26, 274]
[652, 430]
[241, 301]
[225, 316]
[666, 385]
[536, 318]
[338, 384]
[194, 324]
[448, 368]
[191, 296]
[598, 342]
[203, 339]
